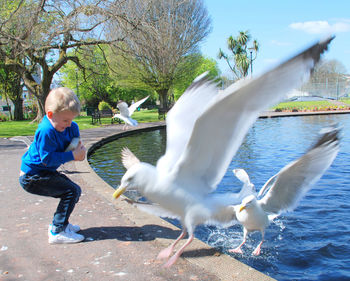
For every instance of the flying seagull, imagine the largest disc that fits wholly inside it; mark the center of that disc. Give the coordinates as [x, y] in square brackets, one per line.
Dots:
[126, 112]
[23, 139]
[283, 191]
[204, 131]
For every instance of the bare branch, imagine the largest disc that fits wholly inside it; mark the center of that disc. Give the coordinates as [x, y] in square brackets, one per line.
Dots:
[43, 34]
[170, 31]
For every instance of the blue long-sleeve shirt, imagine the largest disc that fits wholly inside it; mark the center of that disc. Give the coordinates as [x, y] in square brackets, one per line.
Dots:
[47, 152]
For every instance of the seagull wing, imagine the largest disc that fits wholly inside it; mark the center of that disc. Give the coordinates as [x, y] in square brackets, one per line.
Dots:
[181, 118]
[284, 190]
[219, 131]
[242, 175]
[248, 188]
[128, 158]
[126, 119]
[135, 105]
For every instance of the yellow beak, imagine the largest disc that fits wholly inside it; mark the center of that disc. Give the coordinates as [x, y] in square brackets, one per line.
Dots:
[119, 192]
[241, 208]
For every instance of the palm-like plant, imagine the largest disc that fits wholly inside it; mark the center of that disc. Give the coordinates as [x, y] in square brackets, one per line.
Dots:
[240, 61]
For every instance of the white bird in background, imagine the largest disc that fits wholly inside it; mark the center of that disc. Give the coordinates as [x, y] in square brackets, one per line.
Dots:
[205, 128]
[126, 112]
[283, 191]
[23, 139]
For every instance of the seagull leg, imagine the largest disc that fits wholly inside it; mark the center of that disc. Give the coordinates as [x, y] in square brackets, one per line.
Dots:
[257, 250]
[164, 254]
[238, 249]
[174, 258]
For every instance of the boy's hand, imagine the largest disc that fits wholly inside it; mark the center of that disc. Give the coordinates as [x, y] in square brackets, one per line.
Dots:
[80, 152]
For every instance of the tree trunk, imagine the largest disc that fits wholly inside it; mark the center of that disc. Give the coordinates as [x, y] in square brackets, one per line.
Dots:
[18, 100]
[18, 111]
[41, 108]
[40, 91]
[163, 99]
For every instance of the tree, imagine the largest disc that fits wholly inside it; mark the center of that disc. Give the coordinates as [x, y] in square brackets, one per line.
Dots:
[204, 65]
[241, 58]
[11, 88]
[329, 70]
[40, 33]
[329, 79]
[10, 82]
[159, 53]
[94, 83]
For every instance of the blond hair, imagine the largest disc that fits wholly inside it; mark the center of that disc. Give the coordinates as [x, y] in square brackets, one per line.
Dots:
[61, 99]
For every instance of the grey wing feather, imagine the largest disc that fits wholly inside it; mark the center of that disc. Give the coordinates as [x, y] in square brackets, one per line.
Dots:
[284, 190]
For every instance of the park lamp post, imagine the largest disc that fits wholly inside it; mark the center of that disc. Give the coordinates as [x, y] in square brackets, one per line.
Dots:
[76, 81]
[251, 49]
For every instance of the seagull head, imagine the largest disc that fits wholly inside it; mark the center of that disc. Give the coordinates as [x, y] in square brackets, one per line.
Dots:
[247, 202]
[137, 177]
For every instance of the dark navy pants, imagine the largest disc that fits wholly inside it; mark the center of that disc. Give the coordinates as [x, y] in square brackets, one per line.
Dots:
[57, 185]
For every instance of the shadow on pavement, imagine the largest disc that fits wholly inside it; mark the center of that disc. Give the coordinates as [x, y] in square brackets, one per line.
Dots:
[123, 233]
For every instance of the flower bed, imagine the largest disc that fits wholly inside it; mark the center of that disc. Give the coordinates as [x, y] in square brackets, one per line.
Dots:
[308, 106]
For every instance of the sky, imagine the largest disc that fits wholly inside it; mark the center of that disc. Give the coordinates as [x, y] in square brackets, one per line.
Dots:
[281, 27]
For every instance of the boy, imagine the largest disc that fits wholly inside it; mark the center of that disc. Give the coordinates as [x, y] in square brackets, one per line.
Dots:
[39, 173]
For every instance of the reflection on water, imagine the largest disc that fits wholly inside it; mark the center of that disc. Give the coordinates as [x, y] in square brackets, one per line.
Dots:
[147, 146]
[310, 243]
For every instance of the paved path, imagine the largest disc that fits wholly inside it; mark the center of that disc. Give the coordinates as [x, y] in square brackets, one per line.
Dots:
[121, 242]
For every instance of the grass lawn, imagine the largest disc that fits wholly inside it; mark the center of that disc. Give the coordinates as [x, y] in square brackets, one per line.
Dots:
[26, 128]
[345, 100]
[17, 128]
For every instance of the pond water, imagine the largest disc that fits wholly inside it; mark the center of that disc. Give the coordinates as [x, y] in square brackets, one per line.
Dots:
[310, 243]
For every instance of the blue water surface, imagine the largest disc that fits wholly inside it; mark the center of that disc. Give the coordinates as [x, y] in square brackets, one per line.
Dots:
[310, 243]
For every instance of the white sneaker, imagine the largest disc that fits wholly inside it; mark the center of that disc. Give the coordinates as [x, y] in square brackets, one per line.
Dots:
[65, 237]
[72, 227]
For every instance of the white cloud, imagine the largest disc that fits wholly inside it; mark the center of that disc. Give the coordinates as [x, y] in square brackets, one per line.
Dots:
[341, 27]
[321, 27]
